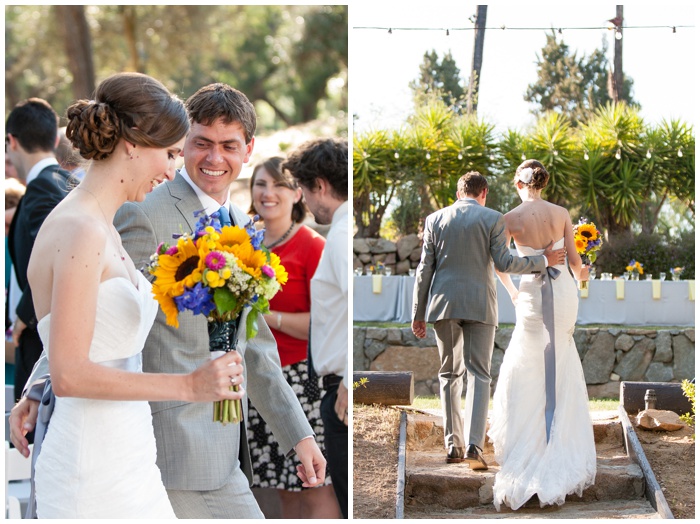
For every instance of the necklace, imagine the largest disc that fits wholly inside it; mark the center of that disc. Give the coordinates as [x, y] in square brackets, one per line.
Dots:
[282, 238]
[116, 239]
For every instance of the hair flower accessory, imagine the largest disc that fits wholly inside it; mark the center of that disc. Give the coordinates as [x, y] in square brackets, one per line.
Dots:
[525, 175]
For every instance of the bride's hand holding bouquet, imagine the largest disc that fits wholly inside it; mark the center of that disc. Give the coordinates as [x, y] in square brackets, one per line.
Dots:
[218, 272]
[588, 241]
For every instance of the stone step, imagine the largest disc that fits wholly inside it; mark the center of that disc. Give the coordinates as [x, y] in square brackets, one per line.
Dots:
[432, 483]
[608, 509]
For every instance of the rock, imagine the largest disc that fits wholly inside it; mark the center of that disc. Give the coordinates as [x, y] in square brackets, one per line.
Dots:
[406, 245]
[635, 362]
[376, 333]
[503, 336]
[581, 341]
[599, 359]
[402, 267]
[373, 349]
[360, 245]
[607, 390]
[664, 349]
[415, 255]
[624, 342]
[659, 372]
[424, 362]
[659, 420]
[614, 331]
[393, 336]
[359, 361]
[383, 246]
[683, 358]
[690, 333]
[614, 377]
[365, 258]
[637, 331]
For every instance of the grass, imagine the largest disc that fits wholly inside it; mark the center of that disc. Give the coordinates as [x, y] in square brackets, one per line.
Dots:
[598, 404]
[510, 326]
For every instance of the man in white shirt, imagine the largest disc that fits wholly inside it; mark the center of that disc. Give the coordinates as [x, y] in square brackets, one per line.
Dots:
[321, 168]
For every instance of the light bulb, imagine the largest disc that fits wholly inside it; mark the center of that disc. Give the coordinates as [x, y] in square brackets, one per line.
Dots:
[427, 155]
[618, 155]
[648, 153]
[585, 155]
[680, 153]
[556, 153]
[618, 35]
[460, 157]
[492, 157]
[396, 154]
[524, 157]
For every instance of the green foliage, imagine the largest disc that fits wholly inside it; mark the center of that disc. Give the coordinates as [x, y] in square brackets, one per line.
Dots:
[571, 86]
[655, 252]
[689, 391]
[439, 78]
[291, 61]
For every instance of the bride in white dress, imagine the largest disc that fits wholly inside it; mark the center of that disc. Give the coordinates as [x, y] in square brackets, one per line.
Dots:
[98, 458]
[540, 426]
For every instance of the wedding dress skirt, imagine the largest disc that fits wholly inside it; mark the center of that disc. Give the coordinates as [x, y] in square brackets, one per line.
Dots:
[529, 464]
[98, 459]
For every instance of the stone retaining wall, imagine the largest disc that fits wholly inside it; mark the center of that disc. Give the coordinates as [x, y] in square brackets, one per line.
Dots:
[608, 355]
[398, 256]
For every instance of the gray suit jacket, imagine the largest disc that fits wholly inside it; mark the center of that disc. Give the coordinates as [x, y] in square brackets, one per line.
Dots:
[195, 453]
[455, 280]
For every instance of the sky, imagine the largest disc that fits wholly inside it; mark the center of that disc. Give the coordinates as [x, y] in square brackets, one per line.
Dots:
[661, 63]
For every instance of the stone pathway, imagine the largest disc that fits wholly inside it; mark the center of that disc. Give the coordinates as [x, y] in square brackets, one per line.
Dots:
[435, 489]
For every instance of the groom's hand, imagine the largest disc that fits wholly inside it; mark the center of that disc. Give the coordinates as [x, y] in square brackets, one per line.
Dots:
[556, 257]
[418, 327]
[312, 470]
[22, 420]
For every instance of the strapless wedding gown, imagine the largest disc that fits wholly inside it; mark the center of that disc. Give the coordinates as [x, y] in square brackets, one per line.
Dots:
[98, 459]
[529, 464]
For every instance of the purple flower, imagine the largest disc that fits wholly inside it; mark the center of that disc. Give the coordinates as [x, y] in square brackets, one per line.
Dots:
[196, 299]
[171, 250]
[268, 271]
[215, 260]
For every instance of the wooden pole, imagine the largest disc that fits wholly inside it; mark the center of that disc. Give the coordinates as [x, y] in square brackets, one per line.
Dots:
[383, 387]
[477, 59]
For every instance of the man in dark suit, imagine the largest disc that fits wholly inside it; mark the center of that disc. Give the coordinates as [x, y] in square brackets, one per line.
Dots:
[455, 289]
[31, 135]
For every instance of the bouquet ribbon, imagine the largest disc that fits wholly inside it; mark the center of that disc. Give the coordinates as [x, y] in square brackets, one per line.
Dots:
[550, 368]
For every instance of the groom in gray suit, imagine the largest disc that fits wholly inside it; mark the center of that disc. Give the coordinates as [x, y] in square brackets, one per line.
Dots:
[206, 466]
[455, 289]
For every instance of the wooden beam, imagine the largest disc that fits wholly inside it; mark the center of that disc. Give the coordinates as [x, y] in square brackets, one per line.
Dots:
[669, 396]
[384, 387]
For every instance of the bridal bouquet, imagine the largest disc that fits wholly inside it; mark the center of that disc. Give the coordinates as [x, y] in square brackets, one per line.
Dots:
[588, 241]
[217, 272]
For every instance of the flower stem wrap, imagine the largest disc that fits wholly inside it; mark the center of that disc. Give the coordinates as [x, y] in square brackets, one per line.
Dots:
[222, 339]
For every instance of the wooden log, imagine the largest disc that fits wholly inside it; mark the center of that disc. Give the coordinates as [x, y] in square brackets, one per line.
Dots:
[669, 396]
[384, 387]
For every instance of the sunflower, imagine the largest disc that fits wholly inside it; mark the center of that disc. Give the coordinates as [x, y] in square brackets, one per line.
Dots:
[588, 231]
[280, 272]
[581, 245]
[169, 307]
[183, 268]
[233, 235]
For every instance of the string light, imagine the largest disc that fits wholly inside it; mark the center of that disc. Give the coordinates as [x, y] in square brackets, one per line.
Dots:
[618, 34]
[680, 153]
[503, 27]
[427, 156]
[648, 153]
[390, 30]
[556, 153]
[559, 30]
[674, 28]
[618, 155]
[396, 154]
[524, 157]
[460, 157]
[448, 32]
[585, 155]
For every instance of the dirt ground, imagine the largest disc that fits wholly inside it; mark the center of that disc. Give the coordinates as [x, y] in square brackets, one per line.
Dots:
[375, 461]
[671, 455]
[375, 438]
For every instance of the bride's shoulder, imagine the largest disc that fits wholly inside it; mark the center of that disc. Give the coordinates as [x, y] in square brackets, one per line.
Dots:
[74, 229]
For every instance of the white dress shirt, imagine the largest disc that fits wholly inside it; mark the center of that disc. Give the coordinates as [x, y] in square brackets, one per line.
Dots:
[209, 204]
[329, 301]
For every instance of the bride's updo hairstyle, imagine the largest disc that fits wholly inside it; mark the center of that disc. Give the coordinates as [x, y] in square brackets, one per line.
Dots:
[532, 174]
[132, 106]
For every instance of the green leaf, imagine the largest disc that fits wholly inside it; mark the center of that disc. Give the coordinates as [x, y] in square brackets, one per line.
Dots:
[225, 300]
[251, 324]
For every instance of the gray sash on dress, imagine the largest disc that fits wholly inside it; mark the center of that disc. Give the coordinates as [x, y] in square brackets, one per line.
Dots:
[42, 392]
[550, 371]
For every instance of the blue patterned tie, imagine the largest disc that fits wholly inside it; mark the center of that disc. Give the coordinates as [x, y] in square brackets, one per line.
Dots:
[224, 216]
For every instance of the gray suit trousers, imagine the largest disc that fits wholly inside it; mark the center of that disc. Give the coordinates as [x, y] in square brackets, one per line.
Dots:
[465, 345]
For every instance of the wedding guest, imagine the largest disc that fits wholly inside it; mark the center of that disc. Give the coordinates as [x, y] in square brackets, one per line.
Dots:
[68, 156]
[321, 168]
[30, 142]
[278, 200]
[14, 191]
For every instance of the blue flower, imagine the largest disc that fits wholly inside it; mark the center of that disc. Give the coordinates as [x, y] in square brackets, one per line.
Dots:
[196, 299]
[256, 237]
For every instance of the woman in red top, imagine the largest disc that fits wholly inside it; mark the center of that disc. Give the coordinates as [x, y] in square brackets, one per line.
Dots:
[278, 200]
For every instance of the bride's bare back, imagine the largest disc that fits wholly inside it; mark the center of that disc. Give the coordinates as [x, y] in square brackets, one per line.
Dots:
[536, 223]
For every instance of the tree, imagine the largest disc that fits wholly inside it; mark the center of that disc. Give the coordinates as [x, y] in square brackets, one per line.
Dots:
[440, 78]
[569, 85]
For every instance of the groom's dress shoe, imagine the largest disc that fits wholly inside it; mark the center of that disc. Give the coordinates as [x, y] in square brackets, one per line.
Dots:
[455, 455]
[475, 458]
